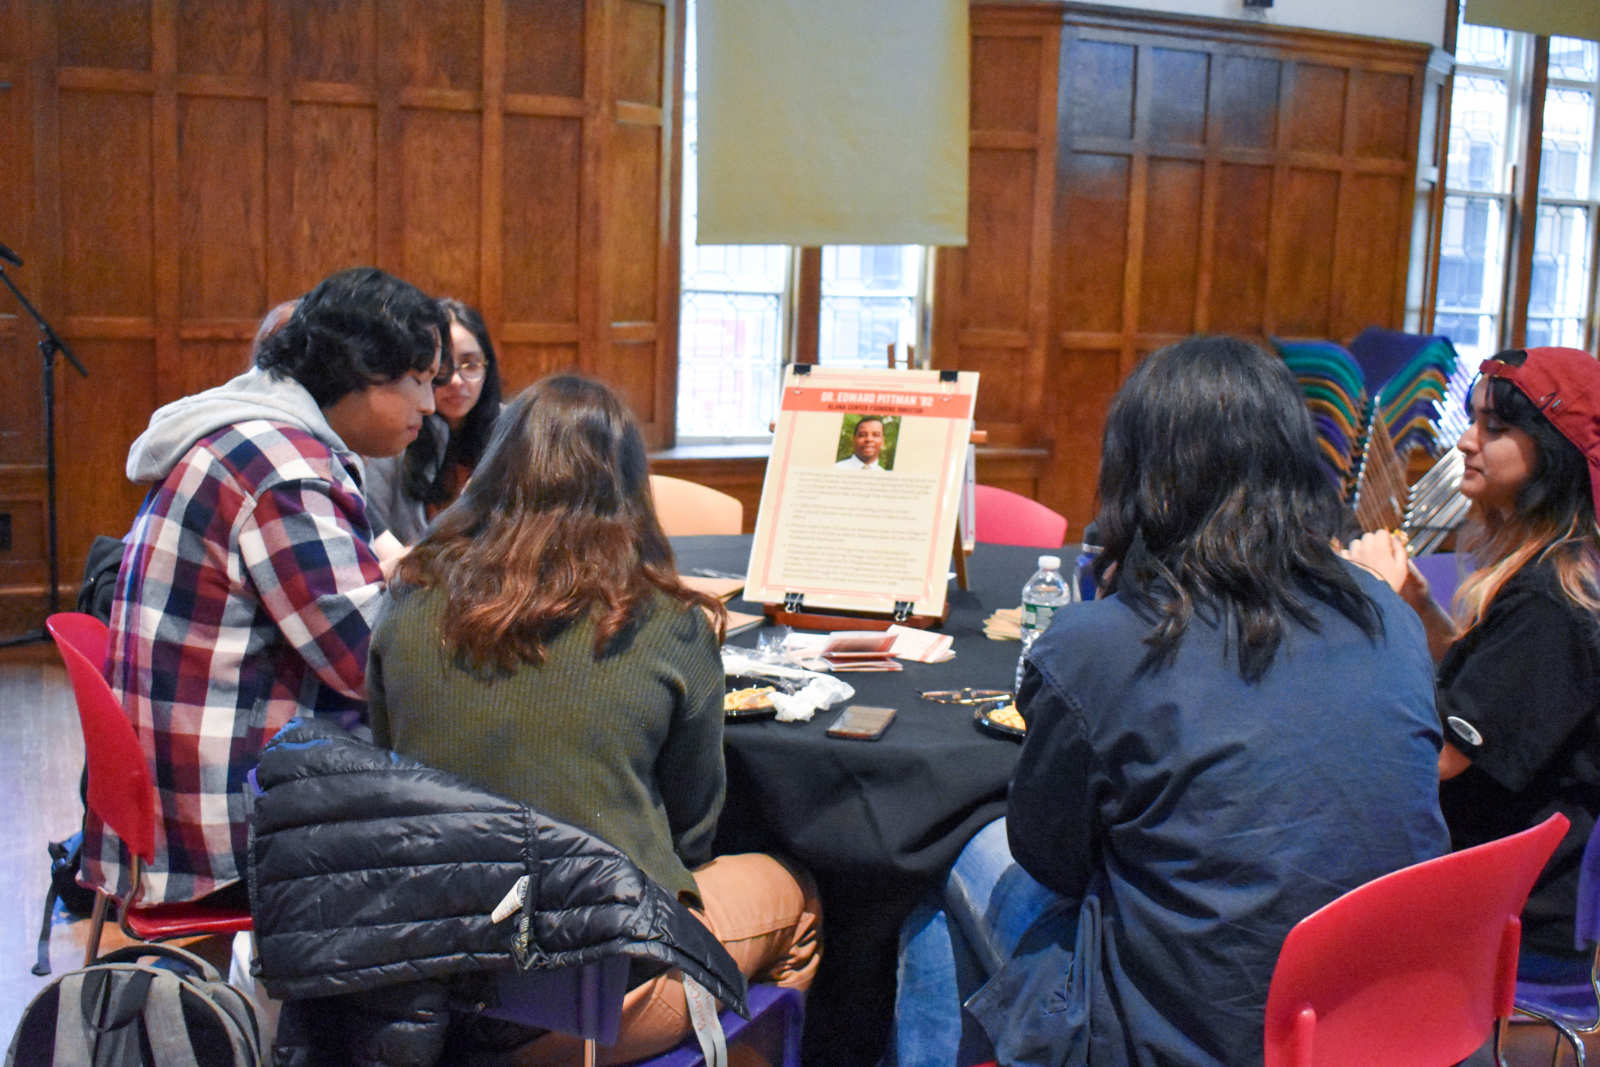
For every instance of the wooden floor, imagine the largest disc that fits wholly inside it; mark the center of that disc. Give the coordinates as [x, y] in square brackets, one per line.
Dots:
[41, 753]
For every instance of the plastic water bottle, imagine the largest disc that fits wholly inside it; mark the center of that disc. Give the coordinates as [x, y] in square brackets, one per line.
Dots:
[1045, 592]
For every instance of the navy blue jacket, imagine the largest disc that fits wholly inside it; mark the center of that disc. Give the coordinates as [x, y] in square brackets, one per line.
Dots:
[1190, 819]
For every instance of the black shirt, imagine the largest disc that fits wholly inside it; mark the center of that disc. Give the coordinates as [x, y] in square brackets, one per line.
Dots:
[1518, 697]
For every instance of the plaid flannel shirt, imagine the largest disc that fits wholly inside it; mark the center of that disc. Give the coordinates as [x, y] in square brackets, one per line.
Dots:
[246, 597]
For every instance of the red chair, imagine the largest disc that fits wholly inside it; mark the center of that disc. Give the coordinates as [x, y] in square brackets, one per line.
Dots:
[1007, 518]
[1418, 967]
[121, 793]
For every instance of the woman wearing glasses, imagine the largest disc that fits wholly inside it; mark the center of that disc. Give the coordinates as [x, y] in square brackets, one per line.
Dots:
[405, 492]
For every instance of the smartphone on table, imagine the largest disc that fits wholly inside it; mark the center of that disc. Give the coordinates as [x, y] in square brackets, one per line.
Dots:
[862, 722]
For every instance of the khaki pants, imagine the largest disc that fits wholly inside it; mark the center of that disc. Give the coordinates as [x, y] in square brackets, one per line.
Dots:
[765, 912]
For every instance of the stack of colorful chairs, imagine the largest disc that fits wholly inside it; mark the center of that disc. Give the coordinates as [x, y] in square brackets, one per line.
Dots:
[1340, 405]
[1398, 379]
[1411, 374]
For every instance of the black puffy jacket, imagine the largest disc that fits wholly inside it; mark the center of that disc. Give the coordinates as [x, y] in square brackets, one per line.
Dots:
[368, 870]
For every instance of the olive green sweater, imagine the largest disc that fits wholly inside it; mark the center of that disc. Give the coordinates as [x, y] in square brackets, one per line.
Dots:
[627, 746]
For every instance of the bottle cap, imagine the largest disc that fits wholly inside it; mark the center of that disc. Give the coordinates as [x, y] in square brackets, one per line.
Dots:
[1049, 563]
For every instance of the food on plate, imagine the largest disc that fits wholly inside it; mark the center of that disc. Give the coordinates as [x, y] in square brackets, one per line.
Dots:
[1008, 716]
[749, 699]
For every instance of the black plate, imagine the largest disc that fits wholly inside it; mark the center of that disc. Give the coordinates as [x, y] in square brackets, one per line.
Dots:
[753, 714]
[980, 716]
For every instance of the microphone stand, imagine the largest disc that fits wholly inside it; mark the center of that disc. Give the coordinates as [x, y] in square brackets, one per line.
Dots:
[50, 343]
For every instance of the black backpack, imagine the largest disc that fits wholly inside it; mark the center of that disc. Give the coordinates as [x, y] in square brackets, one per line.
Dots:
[124, 1010]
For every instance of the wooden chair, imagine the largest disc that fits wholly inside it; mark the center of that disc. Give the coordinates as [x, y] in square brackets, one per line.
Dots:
[122, 795]
[1418, 967]
[687, 508]
[1007, 518]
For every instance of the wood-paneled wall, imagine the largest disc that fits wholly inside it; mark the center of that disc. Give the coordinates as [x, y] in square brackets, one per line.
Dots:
[172, 168]
[1136, 178]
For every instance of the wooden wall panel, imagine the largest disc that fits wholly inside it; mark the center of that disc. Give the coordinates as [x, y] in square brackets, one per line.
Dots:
[106, 211]
[333, 193]
[201, 160]
[633, 227]
[1303, 219]
[334, 41]
[541, 223]
[1093, 194]
[1245, 99]
[1207, 175]
[227, 37]
[438, 46]
[544, 47]
[1377, 135]
[1097, 98]
[991, 298]
[1005, 83]
[997, 226]
[1374, 230]
[93, 438]
[636, 61]
[441, 189]
[1179, 80]
[1171, 254]
[1314, 118]
[114, 34]
[1239, 264]
[222, 258]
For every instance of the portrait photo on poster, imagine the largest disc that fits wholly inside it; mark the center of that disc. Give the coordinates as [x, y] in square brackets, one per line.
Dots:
[867, 442]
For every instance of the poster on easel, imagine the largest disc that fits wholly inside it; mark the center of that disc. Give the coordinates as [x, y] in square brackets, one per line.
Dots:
[859, 505]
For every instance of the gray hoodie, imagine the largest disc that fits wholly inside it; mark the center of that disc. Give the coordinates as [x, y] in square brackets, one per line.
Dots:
[255, 394]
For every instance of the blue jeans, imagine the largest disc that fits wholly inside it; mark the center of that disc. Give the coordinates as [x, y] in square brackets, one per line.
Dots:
[954, 939]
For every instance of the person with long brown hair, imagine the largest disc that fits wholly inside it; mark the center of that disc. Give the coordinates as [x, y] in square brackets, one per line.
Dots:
[538, 642]
[1519, 657]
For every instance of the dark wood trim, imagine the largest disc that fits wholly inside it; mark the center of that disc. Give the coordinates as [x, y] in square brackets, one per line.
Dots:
[807, 311]
[1525, 206]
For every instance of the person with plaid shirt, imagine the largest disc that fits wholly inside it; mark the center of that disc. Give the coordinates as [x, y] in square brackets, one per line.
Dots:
[249, 583]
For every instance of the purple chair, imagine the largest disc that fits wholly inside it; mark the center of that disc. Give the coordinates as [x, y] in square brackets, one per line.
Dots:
[586, 1001]
[776, 1013]
[1443, 571]
[1573, 1007]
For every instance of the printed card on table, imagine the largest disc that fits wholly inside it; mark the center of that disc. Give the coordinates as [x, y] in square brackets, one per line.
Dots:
[858, 509]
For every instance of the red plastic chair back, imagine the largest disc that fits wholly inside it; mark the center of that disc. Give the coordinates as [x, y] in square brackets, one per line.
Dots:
[120, 790]
[1410, 968]
[1007, 518]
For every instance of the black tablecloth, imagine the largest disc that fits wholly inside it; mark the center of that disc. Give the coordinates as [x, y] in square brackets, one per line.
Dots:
[875, 821]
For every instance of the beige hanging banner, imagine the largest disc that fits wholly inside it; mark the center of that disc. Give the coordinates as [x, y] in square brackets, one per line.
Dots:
[1557, 18]
[832, 121]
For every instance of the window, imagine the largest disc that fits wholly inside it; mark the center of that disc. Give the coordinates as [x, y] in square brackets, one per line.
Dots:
[739, 306]
[1477, 192]
[1486, 142]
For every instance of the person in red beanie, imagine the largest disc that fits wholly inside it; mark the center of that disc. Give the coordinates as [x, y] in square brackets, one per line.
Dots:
[1520, 657]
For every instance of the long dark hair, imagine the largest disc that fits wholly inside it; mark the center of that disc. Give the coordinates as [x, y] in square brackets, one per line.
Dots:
[1553, 516]
[1212, 500]
[556, 524]
[425, 474]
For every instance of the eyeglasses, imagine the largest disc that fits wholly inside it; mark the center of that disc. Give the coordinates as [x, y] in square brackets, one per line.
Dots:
[471, 371]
